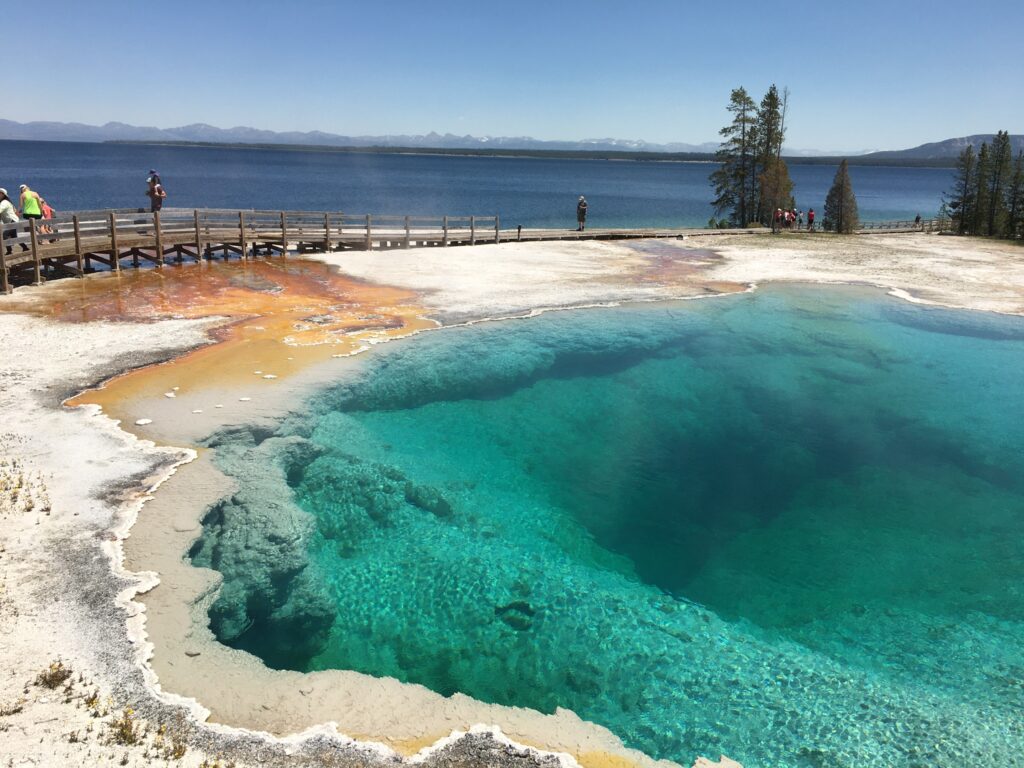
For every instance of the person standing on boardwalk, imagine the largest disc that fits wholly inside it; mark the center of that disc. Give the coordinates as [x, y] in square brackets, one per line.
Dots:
[155, 192]
[810, 220]
[31, 203]
[581, 214]
[8, 215]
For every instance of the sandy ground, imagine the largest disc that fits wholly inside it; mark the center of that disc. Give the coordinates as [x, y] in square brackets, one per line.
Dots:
[72, 483]
[972, 273]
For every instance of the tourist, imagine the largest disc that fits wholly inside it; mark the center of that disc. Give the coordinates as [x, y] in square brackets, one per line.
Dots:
[31, 203]
[581, 214]
[810, 220]
[155, 191]
[917, 222]
[799, 219]
[8, 215]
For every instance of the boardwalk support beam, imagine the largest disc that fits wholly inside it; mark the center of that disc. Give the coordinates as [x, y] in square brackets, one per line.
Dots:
[78, 245]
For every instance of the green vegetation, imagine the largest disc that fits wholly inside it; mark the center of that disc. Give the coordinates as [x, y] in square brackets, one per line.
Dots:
[841, 204]
[124, 730]
[752, 179]
[987, 197]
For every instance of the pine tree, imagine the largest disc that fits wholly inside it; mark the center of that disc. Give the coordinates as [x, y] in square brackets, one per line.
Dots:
[961, 197]
[771, 132]
[999, 170]
[979, 214]
[1015, 199]
[735, 181]
[776, 186]
[841, 204]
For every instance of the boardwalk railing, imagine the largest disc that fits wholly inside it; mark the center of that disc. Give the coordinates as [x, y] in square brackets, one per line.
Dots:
[70, 244]
[924, 225]
[74, 244]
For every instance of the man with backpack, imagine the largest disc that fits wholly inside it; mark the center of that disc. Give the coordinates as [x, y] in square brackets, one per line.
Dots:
[581, 214]
[155, 192]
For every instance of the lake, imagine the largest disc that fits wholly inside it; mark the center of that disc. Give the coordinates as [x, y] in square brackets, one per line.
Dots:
[531, 192]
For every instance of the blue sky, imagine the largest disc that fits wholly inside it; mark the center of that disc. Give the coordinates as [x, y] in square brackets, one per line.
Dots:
[866, 75]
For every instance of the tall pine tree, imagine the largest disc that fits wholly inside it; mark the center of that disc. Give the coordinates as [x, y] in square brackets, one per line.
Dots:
[771, 132]
[960, 199]
[979, 214]
[735, 181]
[1015, 199]
[999, 169]
[841, 204]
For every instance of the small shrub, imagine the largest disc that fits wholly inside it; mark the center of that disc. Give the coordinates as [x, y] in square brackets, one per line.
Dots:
[124, 730]
[6, 710]
[53, 676]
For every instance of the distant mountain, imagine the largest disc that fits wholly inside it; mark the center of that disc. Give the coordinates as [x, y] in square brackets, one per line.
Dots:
[944, 150]
[201, 132]
[940, 152]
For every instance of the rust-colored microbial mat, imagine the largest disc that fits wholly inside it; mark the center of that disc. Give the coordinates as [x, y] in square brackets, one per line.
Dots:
[280, 317]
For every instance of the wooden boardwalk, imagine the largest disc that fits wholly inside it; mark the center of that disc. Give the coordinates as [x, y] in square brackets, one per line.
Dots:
[78, 243]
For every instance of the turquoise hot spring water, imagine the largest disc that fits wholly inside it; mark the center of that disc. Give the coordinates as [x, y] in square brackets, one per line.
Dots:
[786, 526]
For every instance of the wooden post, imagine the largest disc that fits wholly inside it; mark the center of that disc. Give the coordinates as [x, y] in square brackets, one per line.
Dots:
[519, 233]
[497, 230]
[199, 235]
[327, 230]
[241, 234]
[445, 224]
[472, 230]
[406, 232]
[369, 235]
[158, 240]
[35, 251]
[6, 286]
[115, 261]
[135, 257]
[78, 245]
[284, 235]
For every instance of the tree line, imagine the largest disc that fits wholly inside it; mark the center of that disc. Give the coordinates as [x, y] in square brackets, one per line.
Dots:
[752, 180]
[987, 197]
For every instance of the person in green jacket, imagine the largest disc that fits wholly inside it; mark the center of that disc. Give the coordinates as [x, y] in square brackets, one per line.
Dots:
[31, 203]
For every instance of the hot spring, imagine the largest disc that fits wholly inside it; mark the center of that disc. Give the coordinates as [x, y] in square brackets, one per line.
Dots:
[785, 526]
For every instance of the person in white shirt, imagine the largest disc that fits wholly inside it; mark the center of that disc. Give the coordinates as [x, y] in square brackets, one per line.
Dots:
[9, 215]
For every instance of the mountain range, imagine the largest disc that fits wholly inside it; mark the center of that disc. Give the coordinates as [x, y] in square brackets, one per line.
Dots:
[945, 150]
[201, 132]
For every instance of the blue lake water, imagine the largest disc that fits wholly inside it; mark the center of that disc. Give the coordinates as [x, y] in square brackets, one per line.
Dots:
[785, 526]
[522, 191]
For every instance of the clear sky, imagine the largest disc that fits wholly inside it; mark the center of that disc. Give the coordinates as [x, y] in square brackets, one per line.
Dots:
[862, 75]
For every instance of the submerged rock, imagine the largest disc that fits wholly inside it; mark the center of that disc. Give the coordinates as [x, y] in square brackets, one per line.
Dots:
[259, 540]
[427, 498]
